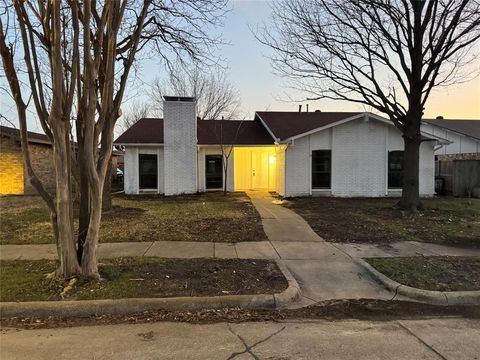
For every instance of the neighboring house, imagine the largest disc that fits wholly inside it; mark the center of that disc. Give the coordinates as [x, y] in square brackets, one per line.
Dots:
[13, 175]
[463, 135]
[291, 153]
[13, 180]
[457, 164]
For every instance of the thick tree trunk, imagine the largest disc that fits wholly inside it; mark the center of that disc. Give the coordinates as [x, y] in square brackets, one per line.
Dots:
[411, 183]
[89, 260]
[84, 215]
[68, 259]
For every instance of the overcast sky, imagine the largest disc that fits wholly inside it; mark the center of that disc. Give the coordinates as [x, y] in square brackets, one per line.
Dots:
[250, 72]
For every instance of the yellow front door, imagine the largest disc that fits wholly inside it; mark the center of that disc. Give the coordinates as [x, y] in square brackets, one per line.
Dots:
[260, 169]
[254, 168]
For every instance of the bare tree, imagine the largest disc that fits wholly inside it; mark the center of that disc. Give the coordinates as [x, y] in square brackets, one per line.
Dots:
[79, 54]
[136, 111]
[226, 132]
[216, 97]
[386, 54]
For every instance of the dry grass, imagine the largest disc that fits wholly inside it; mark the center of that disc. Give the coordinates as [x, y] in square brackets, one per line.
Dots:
[206, 217]
[451, 221]
[143, 277]
[441, 273]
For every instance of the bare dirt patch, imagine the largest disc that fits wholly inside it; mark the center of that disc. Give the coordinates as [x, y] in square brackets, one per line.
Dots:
[450, 221]
[24, 280]
[440, 273]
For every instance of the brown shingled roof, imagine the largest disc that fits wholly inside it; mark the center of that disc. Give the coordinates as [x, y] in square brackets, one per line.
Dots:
[33, 137]
[285, 124]
[144, 131]
[466, 127]
[150, 131]
[249, 132]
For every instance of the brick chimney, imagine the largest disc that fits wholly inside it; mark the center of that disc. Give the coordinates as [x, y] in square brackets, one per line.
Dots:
[180, 145]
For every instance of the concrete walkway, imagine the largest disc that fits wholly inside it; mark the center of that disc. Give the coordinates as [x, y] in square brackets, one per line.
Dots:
[323, 270]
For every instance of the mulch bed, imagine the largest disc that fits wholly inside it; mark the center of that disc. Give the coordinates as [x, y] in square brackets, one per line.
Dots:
[24, 280]
[362, 309]
[440, 273]
[450, 221]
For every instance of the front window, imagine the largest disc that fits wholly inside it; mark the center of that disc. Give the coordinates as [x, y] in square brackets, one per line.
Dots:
[147, 165]
[213, 172]
[395, 169]
[321, 169]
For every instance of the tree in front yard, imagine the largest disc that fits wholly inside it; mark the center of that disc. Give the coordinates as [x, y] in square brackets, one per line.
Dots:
[385, 54]
[76, 58]
[216, 97]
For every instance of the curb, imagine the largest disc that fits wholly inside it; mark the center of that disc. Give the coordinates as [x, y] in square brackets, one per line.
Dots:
[292, 293]
[428, 296]
[127, 306]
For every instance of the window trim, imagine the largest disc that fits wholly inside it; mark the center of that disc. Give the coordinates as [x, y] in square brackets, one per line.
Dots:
[140, 189]
[394, 188]
[318, 189]
[205, 173]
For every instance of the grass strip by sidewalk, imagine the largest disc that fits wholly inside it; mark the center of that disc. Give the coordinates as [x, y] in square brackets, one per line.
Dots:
[440, 273]
[23, 280]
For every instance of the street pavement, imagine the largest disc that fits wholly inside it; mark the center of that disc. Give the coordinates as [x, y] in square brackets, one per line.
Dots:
[444, 338]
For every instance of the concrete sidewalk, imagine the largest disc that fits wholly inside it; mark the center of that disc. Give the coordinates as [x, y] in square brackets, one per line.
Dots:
[286, 250]
[324, 270]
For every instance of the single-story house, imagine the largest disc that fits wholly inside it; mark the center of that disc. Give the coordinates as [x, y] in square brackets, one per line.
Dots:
[12, 172]
[457, 164]
[292, 153]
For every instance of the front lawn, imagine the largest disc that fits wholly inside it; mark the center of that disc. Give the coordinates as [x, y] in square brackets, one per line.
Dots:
[146, 277]
[441, 273]
[450, 221]
[205, 217]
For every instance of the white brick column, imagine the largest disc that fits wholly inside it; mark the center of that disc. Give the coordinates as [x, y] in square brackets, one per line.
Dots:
[180, 145]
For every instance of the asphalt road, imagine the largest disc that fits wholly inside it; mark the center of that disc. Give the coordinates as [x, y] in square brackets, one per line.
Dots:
[447, 338]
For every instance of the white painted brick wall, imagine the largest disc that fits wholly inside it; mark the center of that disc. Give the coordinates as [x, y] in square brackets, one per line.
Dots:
[359, 159]
[180, 133]
[280, 170]
[214, 150]
[427, 169]
[131, 170]
[297, 164]
[130, 174]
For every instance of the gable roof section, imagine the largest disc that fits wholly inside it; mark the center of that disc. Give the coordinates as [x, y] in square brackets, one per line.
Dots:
[33, 137]
[466, 127]
[286, 124]
[150, 131]
[144, 131]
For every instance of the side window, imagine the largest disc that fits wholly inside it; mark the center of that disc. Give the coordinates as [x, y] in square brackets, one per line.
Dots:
[321, 169]
[395, 169]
